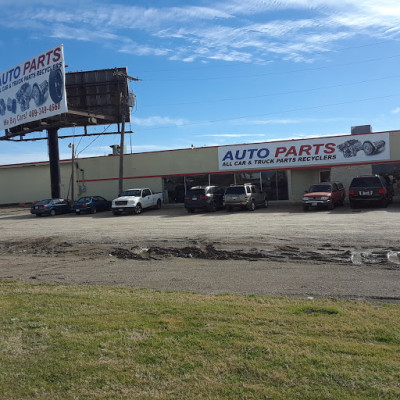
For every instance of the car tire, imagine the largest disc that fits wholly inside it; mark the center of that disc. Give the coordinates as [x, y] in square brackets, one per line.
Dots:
[228, 208]
[52, 213]
[384, 203]
[305, 208]
[56, 85]
[93, 210]
[331, 205]
[158, 206]
[252, 206]
[265, 203]
[77, 212]
[212, 207]
[138, 209]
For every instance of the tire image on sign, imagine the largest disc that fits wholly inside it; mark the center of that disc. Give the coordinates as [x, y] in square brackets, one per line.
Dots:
[56, 85]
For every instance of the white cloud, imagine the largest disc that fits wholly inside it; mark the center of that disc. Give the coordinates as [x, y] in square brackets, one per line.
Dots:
[232, 135]
[218, 30]
[156, 121]
[396, 110]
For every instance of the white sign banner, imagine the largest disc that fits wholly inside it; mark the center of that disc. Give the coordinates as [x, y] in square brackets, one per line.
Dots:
[307, 152]
[33, 90]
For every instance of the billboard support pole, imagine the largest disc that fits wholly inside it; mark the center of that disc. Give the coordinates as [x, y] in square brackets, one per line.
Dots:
[121, 158]
[54, 161]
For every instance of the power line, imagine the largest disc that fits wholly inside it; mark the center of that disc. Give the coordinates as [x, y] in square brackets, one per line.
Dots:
[279, 93]
[278, 112]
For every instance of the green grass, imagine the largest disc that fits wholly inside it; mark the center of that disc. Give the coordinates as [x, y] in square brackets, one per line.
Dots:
[91, 342]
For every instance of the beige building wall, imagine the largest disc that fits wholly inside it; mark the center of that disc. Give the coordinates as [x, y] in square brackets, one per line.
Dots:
[99, 175]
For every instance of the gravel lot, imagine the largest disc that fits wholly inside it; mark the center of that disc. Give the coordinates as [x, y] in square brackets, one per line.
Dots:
[281, 250]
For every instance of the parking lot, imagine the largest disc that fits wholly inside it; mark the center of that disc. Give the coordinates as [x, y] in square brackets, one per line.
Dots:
[280, 250]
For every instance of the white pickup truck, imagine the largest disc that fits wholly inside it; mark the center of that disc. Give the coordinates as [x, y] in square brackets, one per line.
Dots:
[135, 200]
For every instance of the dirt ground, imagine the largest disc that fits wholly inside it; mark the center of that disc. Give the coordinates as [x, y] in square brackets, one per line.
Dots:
[279, 251]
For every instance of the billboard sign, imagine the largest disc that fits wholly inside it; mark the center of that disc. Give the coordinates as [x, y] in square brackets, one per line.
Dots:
[33, 90]
[306, 152]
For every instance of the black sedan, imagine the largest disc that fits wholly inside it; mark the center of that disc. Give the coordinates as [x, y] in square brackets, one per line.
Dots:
[91, 204]
[50, 207]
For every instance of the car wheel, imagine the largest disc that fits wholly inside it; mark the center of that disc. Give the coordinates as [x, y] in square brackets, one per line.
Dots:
[138, 209]
[252, 206]
[266, 203]
[305, 208]
[368, 148]
[158, 204]
[331, 205]
[212, 207]
[53, 213]
[56, 85]
[93, 210]
[228, 208]
[77, 212]
[384, 203]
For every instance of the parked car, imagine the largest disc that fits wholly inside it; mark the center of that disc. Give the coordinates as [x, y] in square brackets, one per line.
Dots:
[204, 197]
[245, 196]
[370, 189]
[90, 204]
[135, 201]
[50, 207]
[324, 195]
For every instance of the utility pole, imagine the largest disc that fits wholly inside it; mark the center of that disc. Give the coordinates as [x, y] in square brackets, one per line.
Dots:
[72, 146]
[123, 104]
[121, 158]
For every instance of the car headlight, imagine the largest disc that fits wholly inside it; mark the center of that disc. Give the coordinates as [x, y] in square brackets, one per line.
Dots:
[324, 197]
[305, 198]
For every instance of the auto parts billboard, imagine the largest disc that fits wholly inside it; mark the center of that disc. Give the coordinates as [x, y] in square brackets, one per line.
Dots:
[306, 152]
[33, 90]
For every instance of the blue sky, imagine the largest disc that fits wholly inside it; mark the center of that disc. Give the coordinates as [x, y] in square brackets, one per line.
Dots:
[222, 71]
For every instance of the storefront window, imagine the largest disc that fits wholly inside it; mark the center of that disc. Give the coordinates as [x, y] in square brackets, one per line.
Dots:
[196, 180]
[173, 189]
[223, 180]
[391, 172]
[247, 177]
[275, 184]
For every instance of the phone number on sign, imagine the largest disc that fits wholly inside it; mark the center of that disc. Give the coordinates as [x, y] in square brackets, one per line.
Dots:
[43, 110]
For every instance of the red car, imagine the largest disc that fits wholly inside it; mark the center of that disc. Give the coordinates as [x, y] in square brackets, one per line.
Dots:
[324, 195]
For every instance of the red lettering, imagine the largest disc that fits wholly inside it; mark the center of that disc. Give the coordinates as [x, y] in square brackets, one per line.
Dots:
[330, 148]
[318, 147]
[306, 149]
[57, 54]
[280, 150]
[48, 54]
[33, 66]
[40, 61]
[292, 151]
[26, 66]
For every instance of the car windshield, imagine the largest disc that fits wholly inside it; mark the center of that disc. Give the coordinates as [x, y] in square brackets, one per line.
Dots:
[235, 190]
[84, 200]
[366, 182]
[134, 193]
[320, 188]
